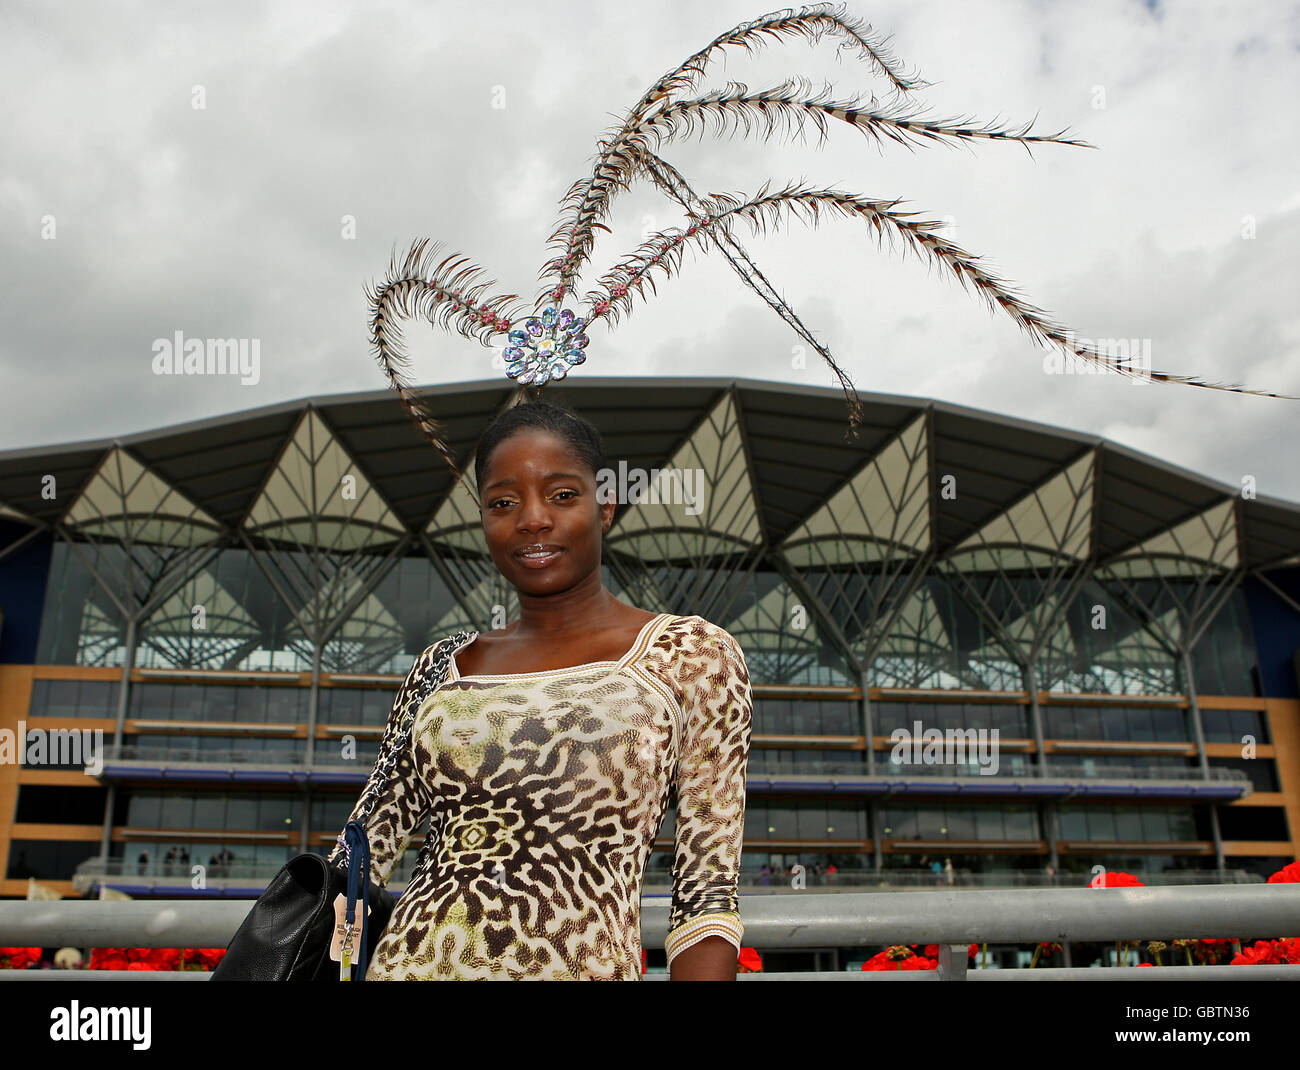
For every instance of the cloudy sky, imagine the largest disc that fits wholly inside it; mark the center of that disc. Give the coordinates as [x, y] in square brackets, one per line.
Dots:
[194, 167]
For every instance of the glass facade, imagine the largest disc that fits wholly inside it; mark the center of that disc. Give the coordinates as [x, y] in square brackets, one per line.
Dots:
[1132, 823]
[1127, 724]
[967, 821]
[1010, 720]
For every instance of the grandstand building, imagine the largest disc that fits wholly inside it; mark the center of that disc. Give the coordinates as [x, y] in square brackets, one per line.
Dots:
[234, 602]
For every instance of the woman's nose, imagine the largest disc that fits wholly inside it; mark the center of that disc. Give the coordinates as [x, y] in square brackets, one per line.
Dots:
[534, 514]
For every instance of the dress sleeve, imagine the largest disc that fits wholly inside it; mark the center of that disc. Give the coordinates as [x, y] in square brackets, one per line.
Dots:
[401, 800]
[717, 711]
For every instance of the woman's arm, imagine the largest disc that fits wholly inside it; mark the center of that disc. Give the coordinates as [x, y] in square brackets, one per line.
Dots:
[704, 928]
[712, 959]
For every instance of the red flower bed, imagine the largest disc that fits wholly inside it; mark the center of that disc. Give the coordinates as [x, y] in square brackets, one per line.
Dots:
[1288, 874]
[1269, 952]
[899, 958]
[1107, 879]
[19, 958]
[155, 958]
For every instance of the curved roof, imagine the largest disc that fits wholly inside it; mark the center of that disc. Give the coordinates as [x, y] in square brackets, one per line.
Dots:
[921, 475]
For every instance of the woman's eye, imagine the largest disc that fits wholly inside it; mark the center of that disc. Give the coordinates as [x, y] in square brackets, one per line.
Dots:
[572, 492]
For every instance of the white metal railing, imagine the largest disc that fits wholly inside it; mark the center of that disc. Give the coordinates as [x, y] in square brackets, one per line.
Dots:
[951, 919]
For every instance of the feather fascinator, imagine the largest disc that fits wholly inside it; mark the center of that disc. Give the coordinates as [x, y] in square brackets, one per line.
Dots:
[542, 343]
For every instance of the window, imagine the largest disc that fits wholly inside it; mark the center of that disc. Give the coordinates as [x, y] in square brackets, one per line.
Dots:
[1101, 823]
[949, 715]
[841, 718]
[846, 821]
[331, 813]
[1114, 722]
[931, 822]
[288, 705]
[1057, 723]
[60, 698]
[187, 702]
[219, 703]
[151, 702]
[1011, 721]
[345, 705]
[177, 812]
[1021, 823]
[806, 718]
[241, 811]
[1254, 823]
[782, 822]
[961, 822]
[1182, 824]
[250, 705]
[1169, 725]
[1261, 772]
[210, 812]
[145, 810]
[1087, 723]
[899, 823]
[277, 813]
[772, 717]
[1140, 725]
[1247, 723]
[1155, 824]
[52, 860]
[74, 698]
[887, 716]
[58, 805]
[988, 824]
[1128, 824]
[1073, 824]
[812, 821]
[376, 707]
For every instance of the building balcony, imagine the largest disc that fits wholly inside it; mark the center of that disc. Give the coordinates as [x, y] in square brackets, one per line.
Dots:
[1064, 780]
[244, 880]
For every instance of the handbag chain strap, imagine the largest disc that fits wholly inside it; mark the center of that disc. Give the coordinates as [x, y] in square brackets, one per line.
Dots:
[439, 666]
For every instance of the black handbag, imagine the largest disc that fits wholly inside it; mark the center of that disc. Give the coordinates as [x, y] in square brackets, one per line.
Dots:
[287, 934]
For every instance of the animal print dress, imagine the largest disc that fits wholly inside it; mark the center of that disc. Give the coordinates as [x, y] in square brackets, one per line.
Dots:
[544, 792]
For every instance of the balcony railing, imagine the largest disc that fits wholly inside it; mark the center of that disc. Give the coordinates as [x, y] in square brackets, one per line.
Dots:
[866, 920]
[1054, 769]
[758, 765]
[236, 877]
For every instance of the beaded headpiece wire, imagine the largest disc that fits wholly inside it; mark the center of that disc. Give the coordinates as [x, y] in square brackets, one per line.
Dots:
[452, 292]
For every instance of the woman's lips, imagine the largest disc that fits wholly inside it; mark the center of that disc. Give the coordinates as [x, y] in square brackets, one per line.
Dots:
[539, 560]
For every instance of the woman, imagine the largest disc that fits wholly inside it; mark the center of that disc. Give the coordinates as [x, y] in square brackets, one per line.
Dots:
[546, 757]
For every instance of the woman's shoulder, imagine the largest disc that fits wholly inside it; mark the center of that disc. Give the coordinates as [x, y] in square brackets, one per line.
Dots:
[694, 639]
[438, 652]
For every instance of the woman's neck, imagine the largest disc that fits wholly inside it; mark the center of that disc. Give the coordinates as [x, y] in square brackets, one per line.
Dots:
[580, 609]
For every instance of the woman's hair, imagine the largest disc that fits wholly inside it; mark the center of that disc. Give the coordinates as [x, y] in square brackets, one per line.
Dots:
[580, 435]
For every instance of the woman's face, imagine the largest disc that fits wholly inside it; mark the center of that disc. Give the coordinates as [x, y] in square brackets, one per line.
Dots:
[538, 492]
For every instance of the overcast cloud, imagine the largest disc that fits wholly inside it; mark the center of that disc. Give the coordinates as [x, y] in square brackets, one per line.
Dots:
[228, 220]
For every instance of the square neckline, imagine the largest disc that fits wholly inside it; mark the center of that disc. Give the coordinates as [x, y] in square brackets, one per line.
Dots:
[627, 657]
